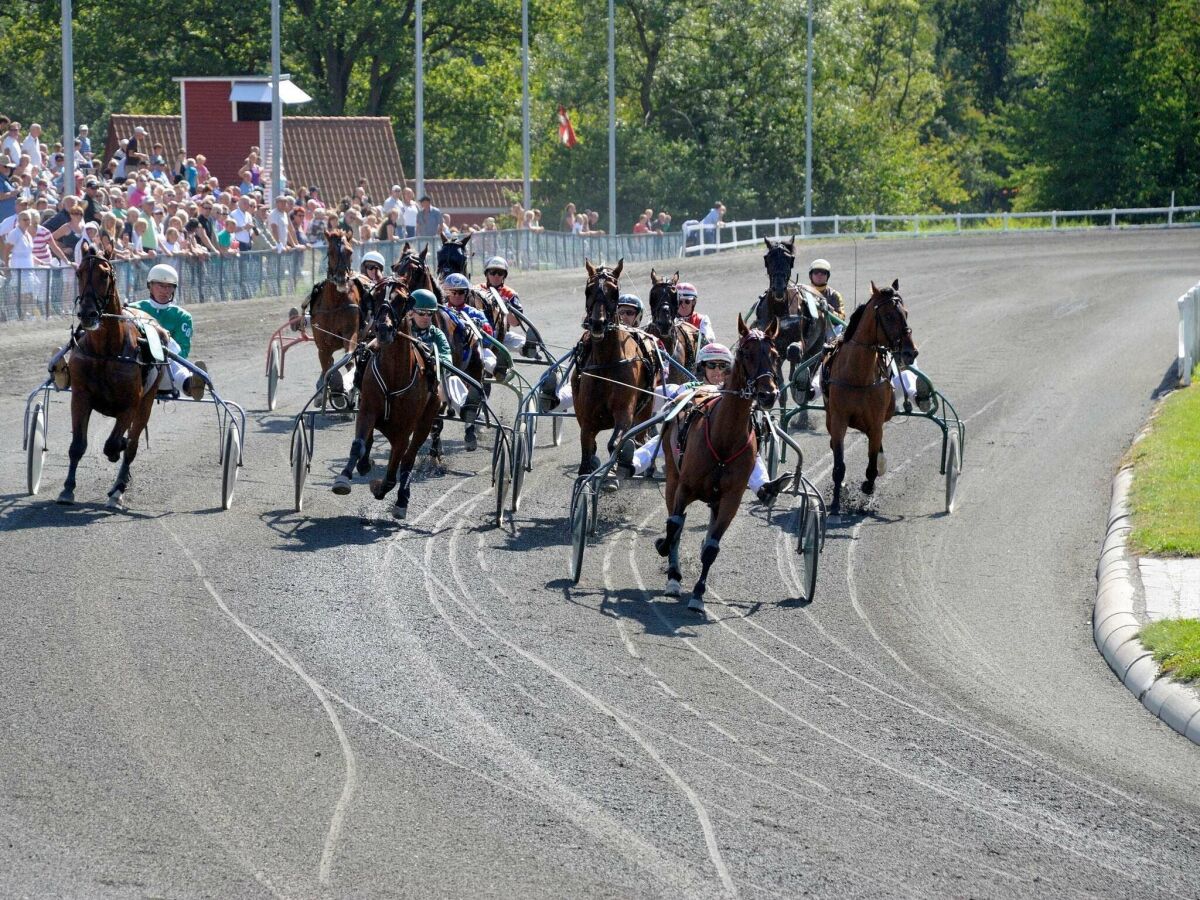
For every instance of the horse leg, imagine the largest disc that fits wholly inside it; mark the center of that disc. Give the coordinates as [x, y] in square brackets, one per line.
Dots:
[876, 461]
[358, 448]
[435, 445]
[381, 487]
[837, 437]
[364, 464]
[424, 424]
[117, 442]
[116, 496]
[81, 414]
[589, 462]
[718, 522]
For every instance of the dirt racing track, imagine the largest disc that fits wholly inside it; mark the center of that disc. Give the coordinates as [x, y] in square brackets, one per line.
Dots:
[258, 702]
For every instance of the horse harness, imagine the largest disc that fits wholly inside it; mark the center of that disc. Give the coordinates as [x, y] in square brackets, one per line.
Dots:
[883, 357]
[647, 354]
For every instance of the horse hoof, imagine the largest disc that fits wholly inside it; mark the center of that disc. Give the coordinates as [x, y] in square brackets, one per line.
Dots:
[116, 501]
[674, 588]
[341, 485]
[868, 488]
[364, 465]
[380, 488]
[695, 604]
[66, 498]
[399, 512]
[662, 547]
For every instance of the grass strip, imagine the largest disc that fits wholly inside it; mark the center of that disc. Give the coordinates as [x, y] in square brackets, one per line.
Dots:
[1175, 644]
[1165, 495]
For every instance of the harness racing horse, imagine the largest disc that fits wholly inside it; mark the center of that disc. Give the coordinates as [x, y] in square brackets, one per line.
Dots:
[856, 379]
[339, 307]
[714, 466]
[412, 273]
[800, 314]
[613, 380]
[399, 399]
[452, 255]
[108, 374]
[681, 339]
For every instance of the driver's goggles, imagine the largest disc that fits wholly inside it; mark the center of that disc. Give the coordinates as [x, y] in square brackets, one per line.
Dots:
[717, 364]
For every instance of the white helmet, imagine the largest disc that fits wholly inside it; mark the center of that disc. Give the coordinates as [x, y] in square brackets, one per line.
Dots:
[822, 264]
[163, 274]
[373, 257]
[496, 262]
[714, 352]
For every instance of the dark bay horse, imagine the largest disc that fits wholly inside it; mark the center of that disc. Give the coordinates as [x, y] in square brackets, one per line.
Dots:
[108, 374]
[453, 256]
[857, 381]
[801, 318]
[412, 272]
[399, 399]
[613, 382]
[715, 463]
[338, 306]
[681, 339]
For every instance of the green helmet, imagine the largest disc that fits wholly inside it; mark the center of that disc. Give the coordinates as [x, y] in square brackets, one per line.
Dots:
[424, 299]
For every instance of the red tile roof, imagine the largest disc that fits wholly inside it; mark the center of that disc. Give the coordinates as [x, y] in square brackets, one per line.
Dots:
[485, 195]
[164, 129]
[334, 152]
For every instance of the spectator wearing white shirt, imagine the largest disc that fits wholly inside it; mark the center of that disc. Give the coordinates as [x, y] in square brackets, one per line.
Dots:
[277, 224]
[244, 218]
[11, 145]
[85, 142]
[409, 211]
[32, 146]
[396, 199]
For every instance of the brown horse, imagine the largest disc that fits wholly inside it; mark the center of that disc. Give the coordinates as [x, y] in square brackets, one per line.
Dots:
[399, 399]
[412, 272]
[857, 381]
[108, 374]
[338, 305]
[681, 339]
[715, 465]
[614, 375]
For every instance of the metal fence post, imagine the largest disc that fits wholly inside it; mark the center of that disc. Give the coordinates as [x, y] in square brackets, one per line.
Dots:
[1112, 221]
[1054, 220]
[873, 223]
[836, 225]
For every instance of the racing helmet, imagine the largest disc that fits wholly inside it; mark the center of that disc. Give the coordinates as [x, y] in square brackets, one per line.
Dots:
[713, 352]
[164, 274]
[496, 263]
[456, 281]
[424, 299]
[820, 265]
[373, 257]
[685, 290]
[632, 300]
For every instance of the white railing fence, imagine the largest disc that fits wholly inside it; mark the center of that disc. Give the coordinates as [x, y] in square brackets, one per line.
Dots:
[1189, 334]
[700, 238]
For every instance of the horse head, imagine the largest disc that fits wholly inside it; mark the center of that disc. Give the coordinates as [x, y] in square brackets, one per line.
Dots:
[97, 289]
[601, 295]
[452, 255]
[391, 313]
[341, 259]
[664, 302]
[410, 268]
[779, 260]
[755, 363]
[891, 322]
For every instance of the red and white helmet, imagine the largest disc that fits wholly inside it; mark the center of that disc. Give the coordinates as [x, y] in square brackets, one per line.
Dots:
[685, 290]
[714, 352]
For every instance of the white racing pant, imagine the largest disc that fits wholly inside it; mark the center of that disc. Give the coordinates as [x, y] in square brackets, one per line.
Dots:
[903, 384]
[489, 360]
[179, 374]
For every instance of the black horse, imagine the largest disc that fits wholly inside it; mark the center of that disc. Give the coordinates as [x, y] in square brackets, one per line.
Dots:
[452, 256]
[681, 339]
[801, 317]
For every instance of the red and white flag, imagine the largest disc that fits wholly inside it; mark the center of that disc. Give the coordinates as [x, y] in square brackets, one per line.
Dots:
[566, 133]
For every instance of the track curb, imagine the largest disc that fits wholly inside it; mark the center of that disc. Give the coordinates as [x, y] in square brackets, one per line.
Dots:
[1115, 625]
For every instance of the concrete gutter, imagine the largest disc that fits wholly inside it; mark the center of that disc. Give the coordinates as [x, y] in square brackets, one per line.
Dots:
[1115, 624]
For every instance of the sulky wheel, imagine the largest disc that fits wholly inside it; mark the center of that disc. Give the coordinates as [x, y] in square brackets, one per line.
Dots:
[520, 448]
[273, 369]
[230, 460]
[500, 479]
[579, 533]
[299, 465]
[953, 467]
[808, 545]
[772, 455]
[35, 449]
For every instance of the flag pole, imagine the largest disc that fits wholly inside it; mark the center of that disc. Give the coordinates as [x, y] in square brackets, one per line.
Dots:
[420, 89]
[528, 195]
[612, 121]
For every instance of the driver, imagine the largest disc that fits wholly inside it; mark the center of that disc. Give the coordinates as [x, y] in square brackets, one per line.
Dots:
[818, 281]
[629, 310]
[455, 287]
[686, 291]
[713, 363]
[495, 273]
[372, 267]
[162, 282]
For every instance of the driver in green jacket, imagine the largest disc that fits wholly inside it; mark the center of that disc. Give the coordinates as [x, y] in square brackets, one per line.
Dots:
[162, 282]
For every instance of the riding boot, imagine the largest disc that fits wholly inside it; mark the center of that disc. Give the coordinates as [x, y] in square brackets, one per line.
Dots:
[772, 489]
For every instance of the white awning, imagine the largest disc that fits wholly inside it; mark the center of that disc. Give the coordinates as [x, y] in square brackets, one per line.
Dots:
[260, 92]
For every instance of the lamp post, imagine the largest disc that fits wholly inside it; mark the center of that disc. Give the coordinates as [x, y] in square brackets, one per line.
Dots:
[612, 120]
[808, 120]
[420, 87]
[528, 194]
[68, 89]
[276, 108]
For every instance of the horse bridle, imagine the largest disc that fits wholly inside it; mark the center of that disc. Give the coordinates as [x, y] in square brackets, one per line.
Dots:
[773, 255]
[446, 267]
[410, 264]
[89, 292]
[749, 391]
[603, 281]
[340, 273]
[672, 292]
[893, 344]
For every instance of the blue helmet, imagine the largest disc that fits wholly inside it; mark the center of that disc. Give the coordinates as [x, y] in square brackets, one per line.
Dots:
[632, 300]
[456, 281]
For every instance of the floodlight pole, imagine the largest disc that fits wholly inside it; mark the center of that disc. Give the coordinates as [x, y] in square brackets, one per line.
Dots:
[612, 121]
[68, 89]
[808, 122]
[420, 88]
[528, 193]
[276, 108]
